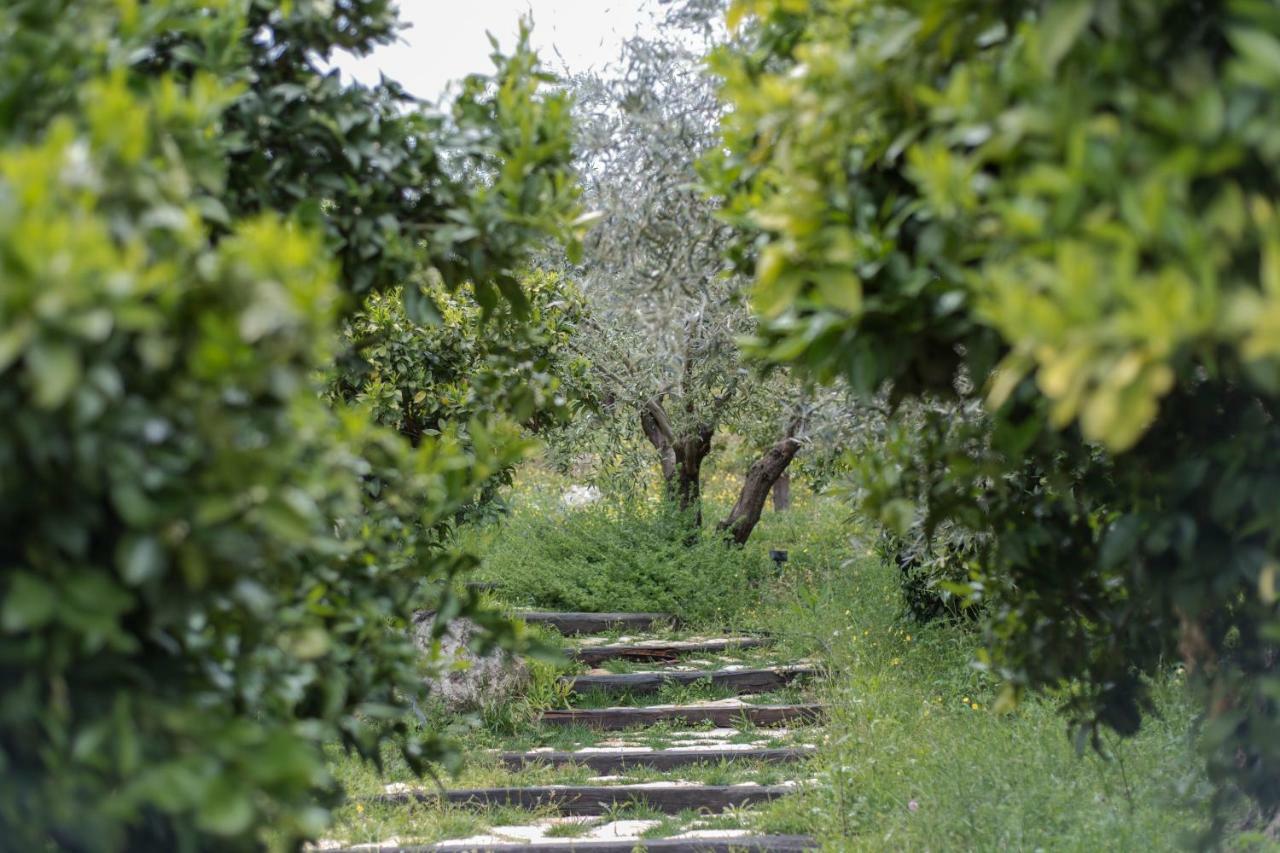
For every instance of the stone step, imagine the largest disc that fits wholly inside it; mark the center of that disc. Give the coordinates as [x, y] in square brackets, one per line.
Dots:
[732, 844]
[666, 797]
[569, 623]
[729, 844]
[721, 713]
[664, 651]
[740, 680]
[610, 760]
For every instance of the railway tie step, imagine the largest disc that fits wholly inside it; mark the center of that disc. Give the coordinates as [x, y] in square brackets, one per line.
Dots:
[735, 844]
[668, 798]
[721, 715]
[740, 681]
[596, 623]
[611, 760]
[662, 652]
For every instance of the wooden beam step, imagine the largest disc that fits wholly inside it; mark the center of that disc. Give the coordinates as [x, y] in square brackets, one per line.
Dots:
[662, 652]
[718, 715]
[736, 844]
[608, 761]
[596, 623]
[740, 681]
[600, 799]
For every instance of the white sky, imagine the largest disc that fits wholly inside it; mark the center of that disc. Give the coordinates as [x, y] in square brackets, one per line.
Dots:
[446, 40]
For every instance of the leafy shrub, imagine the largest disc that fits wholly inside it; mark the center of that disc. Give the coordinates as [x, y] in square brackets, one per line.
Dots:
[205, 572]
[1073, 205]
[506, 372]
[180, 625]
[933, 570]
[418, 378]
[606, 557]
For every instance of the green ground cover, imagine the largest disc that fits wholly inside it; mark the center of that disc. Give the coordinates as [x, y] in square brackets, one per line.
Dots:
[912, 756]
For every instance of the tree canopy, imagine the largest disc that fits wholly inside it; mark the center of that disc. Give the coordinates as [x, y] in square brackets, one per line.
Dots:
[1067, 210]
[663, 310]
[208, 572]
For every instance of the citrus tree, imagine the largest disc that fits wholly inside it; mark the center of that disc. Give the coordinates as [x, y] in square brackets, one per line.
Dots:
[1066, 211]
[207, 571]
[513, 373]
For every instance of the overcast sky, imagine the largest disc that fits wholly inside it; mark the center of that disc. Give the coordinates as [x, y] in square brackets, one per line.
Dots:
[446, 40]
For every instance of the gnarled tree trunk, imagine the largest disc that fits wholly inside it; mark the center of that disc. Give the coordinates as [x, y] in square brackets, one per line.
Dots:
[657, 428]
[760, 479]
[691, 450]
[681, 457]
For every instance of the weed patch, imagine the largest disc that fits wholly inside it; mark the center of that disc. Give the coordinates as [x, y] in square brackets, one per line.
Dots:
[607, 557]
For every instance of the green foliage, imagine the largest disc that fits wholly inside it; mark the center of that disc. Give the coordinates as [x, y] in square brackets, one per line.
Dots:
[903, 728]
[171, 487]
[397, 190]
[420, 378]
[206, 572]
[1068, 211]
[618, 557]
[477, 189]
[504, 373]
[934, 570]
[936, 556]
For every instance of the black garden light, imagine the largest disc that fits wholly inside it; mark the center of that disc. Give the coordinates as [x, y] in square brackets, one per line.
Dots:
[779, 557]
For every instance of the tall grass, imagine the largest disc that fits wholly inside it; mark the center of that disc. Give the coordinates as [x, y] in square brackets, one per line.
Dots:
[915, 758]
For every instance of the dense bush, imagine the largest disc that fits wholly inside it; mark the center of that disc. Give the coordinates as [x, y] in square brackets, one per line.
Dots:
[205, 572]
[419, 378]
[1070, 208]
[627, 556]
[509, 373]
[933, 570]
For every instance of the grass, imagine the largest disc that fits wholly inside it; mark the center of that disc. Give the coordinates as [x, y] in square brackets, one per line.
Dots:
[669, 825]
[421, 823]
[916, 759]
[912, 756]
[571, 830]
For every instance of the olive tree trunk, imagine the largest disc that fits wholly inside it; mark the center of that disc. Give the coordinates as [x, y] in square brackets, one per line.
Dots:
[760, 480]
[681, 458]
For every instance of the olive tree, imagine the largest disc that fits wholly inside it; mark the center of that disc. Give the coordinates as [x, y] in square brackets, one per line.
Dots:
[663, 311]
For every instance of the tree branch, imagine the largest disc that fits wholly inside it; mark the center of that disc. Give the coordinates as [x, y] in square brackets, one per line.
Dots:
[657, 428]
